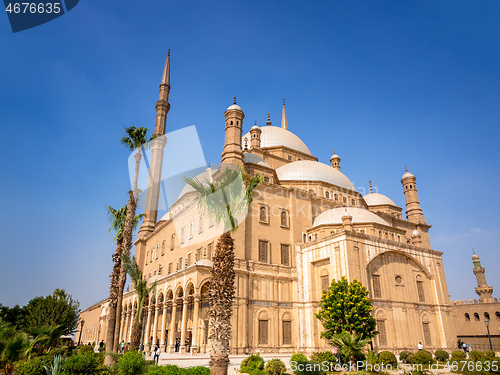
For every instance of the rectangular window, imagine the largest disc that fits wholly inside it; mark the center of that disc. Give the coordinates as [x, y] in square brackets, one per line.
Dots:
[163, 248]
[159, 269]
[284, 218]
[263, 216]
[263, 251]
[209, 250]
[427, 334]
[179, 264]
[263, 332]
[285, 255]
[382, 335]
[200, 224]
[183, 234]
[377, 290]
[287, 332]
[420, 290]
[191, 230]
[325, 283]
[188, 260]
[156, 251]
[169, 268]
[198, 255]
[172, 241]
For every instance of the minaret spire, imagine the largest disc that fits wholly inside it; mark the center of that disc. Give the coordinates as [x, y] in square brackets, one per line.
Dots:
[284, 124]
[371, 188]
[483, 290]
[162, 105]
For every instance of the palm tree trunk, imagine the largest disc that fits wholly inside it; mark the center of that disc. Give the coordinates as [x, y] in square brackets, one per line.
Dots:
[119, 302]
[113, 300]
[135, 339]
[221, 295]
[138, 157]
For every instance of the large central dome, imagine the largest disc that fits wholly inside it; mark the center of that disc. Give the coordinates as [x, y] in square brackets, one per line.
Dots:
[307, 170]
[274, 136]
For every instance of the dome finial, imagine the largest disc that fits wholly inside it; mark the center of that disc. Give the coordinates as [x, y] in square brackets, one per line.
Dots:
[268, 123]
[168, 54]
[284, 123]
[406, 168]
[473, 252]
[371, 188]
[234, 101]
[255, 122]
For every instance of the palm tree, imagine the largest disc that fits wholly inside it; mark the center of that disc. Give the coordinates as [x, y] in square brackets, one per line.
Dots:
[47, 337]
[350, 344]
[224, 199]
[14, 346]
[118, 278]
[142, 290]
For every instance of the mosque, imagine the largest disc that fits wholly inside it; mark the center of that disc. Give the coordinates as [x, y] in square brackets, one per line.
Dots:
[307, 225]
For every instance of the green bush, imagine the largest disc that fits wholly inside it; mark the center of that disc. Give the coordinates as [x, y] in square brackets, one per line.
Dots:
[311, 368]
[298, 357]
[405, 356]
[275, 367]
[457, 356]
[176, 370]
[422, 357]
[33, 366]
[387, 358]
[58, 351]
[489, 354]
[81, 364]
[441, 355]
[131, 363]
[86, 349]
[476, 355]
[253, 365]
[326, 356]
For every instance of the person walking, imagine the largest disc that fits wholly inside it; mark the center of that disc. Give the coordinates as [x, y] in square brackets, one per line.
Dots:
[420, 346]
[157, 354]
[122, 347]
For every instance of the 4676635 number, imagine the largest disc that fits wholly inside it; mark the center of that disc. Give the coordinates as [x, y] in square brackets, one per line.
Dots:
[33, 8]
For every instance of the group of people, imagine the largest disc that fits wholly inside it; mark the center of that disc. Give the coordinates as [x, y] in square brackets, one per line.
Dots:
[465, 347]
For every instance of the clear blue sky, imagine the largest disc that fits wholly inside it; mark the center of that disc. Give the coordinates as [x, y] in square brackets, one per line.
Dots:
[384, 83]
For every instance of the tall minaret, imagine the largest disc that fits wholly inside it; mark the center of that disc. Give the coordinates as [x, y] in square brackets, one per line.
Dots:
[413, 210]
[232, 143]
[284, 124]
[157, 146]
[483, 290]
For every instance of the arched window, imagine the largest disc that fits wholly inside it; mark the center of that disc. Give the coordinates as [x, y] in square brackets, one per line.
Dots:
[420, 289]
[304, 238]
[163, 248]
[327, 194]
[476, 317]
[263, 214]
[336, 196]
[497, 314]
[284, 218]
[467, 317]
[487, 316]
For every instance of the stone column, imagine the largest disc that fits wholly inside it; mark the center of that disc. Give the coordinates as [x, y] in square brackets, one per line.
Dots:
[132, 317]
[194, 344]
[155, 322]
[146, 333]
[163, 319]
[172, 327]
[183, 325]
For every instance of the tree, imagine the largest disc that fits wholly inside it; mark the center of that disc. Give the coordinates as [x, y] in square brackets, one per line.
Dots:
[135, 140]
[58, 309]
[117, 218]
[344, 306]
[14, 346]
[13, 315]
[143, 291]
[350, 345]
[226, 197]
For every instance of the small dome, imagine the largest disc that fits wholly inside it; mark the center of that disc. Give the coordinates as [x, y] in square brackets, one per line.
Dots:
[407, 174]
[475, 257]
[335, 156]
[254, 127]
[415, 233]
[274, 136]
[346, 214]
[359, 215]
[307, 170]
[376, 199]
[251, 158]
[234, 106]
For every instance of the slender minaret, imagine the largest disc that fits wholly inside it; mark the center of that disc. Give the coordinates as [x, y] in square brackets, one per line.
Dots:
[232, 143]
[157, 147]
[284, 124]
[255, 133]
[413, 210]
[483, 290]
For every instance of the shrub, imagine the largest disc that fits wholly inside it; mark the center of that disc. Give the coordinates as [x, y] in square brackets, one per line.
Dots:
[298, 357]
[275, 367]
[422, 357]
[58, 351]
[81, 364]
[405, 356]
[86, 349]
[33, 366]
[176, 370]
[441, 355]
[387, 358]
[253, 365]
[489, 354]
[457, 356]
[371, 361]
[326, 356]
[131, 363]
[476, 355]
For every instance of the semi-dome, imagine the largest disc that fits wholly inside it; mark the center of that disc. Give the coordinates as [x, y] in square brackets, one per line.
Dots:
[359, 215]
[255, 159]
[376, 199]
[307, 170]
[274, 136]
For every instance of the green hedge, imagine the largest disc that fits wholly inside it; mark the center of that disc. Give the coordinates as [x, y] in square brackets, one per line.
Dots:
[441, 355]
[253, 365]
[405, 356]
[422, 357]
[275, 367]
[387, 358]
[131, 363]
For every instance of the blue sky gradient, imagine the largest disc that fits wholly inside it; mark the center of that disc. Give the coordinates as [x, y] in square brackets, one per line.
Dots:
[384, 83]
